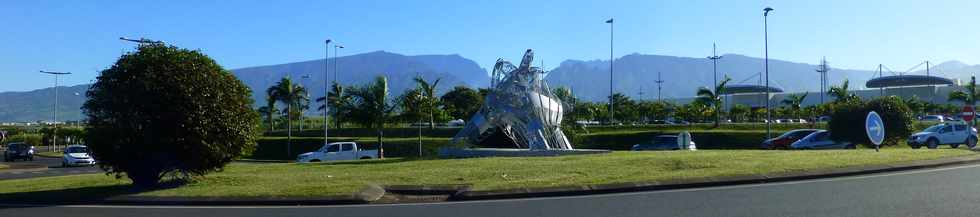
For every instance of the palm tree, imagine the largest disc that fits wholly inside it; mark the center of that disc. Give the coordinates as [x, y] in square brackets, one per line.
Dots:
[267, 112]
[794, 101]
[429, 98]
[713, 98]
[841, 94]
[340, 101]
[270, 108]
[292, 95]
[373, 108]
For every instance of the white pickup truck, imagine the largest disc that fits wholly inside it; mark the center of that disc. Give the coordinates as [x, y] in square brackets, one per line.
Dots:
[337, 151]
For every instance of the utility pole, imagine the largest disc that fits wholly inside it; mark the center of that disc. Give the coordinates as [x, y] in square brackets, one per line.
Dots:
[932, 88]
[611, 107]
[419, 105]
[54, 119]
[714, 71]
[659, 85]
[765, 23]
[823, 78]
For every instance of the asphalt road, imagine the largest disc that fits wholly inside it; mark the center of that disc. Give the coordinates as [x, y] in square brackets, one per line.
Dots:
[951, 191]
[53, 169]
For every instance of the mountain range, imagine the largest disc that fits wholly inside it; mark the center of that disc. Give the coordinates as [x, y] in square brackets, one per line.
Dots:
[634, 75]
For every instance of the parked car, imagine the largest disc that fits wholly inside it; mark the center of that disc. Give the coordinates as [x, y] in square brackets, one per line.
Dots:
[783, 141]
[18, 150]
[933, 118]
[77, 155]
[952, 134]
[662, 142]
[456, 123]
[823, 118]
[820, 140]
[337, 151]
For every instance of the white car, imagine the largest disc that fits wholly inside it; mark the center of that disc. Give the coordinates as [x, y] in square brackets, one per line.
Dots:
[337, 151]
[77, 155]
[945, 133]
[933, 118]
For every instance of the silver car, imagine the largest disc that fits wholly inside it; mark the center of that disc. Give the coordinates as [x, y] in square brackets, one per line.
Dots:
[820, 140]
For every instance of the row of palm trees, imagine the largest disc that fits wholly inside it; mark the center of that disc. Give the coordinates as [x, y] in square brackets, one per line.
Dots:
[367, 105]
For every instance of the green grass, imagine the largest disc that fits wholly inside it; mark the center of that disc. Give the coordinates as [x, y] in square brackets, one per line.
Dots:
[54, 154]
[288, 179]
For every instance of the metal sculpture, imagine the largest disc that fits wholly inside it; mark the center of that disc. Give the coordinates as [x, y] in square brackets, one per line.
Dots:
[519, 111]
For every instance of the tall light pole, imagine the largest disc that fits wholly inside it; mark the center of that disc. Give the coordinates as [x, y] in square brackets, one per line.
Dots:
[714, 71]
[335, 61]
[611, 108]
[54, 119]
[659, 83]
[326, 99]
[765, 23]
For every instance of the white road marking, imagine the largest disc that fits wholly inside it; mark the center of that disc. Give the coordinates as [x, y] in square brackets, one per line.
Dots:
[506, 200]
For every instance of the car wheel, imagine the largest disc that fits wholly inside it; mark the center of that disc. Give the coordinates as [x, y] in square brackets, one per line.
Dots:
[954, 145]
[971, 142]
[314, 160]
[365, 158]
[915, 146]
[932, 143]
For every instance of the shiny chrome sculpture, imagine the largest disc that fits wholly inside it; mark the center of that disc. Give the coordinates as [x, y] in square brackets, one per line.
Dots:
[519, 111]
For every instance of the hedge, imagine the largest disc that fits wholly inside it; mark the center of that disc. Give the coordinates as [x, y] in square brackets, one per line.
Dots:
[703, 139]
[367, 132]
[275, 147]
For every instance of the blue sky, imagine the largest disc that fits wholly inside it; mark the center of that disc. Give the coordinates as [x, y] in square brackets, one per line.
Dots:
[81, 36]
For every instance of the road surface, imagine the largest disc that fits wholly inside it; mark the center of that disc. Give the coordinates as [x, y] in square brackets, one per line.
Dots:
[950, 191]
[53, 165]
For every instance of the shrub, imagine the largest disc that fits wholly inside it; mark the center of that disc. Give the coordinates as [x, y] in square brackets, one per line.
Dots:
[165, 111]
[847, 121]
[703, 139]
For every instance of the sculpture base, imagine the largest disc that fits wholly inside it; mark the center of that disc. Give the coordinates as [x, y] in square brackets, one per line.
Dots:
[450, 152]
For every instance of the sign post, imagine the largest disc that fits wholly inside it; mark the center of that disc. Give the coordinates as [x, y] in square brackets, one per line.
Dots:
[875, 128]
[684, 141]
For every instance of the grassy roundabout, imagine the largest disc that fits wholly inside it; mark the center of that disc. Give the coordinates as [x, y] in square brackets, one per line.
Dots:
[320, 179]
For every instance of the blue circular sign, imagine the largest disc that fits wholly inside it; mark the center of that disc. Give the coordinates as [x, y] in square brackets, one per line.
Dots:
[875, 128]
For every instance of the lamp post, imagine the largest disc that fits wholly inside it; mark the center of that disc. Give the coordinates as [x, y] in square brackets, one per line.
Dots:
[54, 119]
[335, 61]
[765, 23]
[611, 108]
[326, 99]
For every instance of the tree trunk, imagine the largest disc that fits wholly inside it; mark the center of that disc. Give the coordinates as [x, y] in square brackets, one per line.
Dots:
[381, 141]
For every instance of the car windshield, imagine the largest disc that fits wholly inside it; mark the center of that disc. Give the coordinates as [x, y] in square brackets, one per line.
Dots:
[77, 150]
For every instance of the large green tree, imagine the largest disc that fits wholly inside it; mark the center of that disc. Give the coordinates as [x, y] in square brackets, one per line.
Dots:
[462, 102]
[165, 111]
[372, 107]
[294, 96]
[712, 97]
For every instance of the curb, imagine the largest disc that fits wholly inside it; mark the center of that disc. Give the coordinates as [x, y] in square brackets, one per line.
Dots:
[366, 195]
[703, 182]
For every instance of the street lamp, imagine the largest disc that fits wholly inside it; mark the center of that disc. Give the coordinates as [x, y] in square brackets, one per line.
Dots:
[765, 23]
[54, 119]
[335, 61]
[326, 99]
[611, 108]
